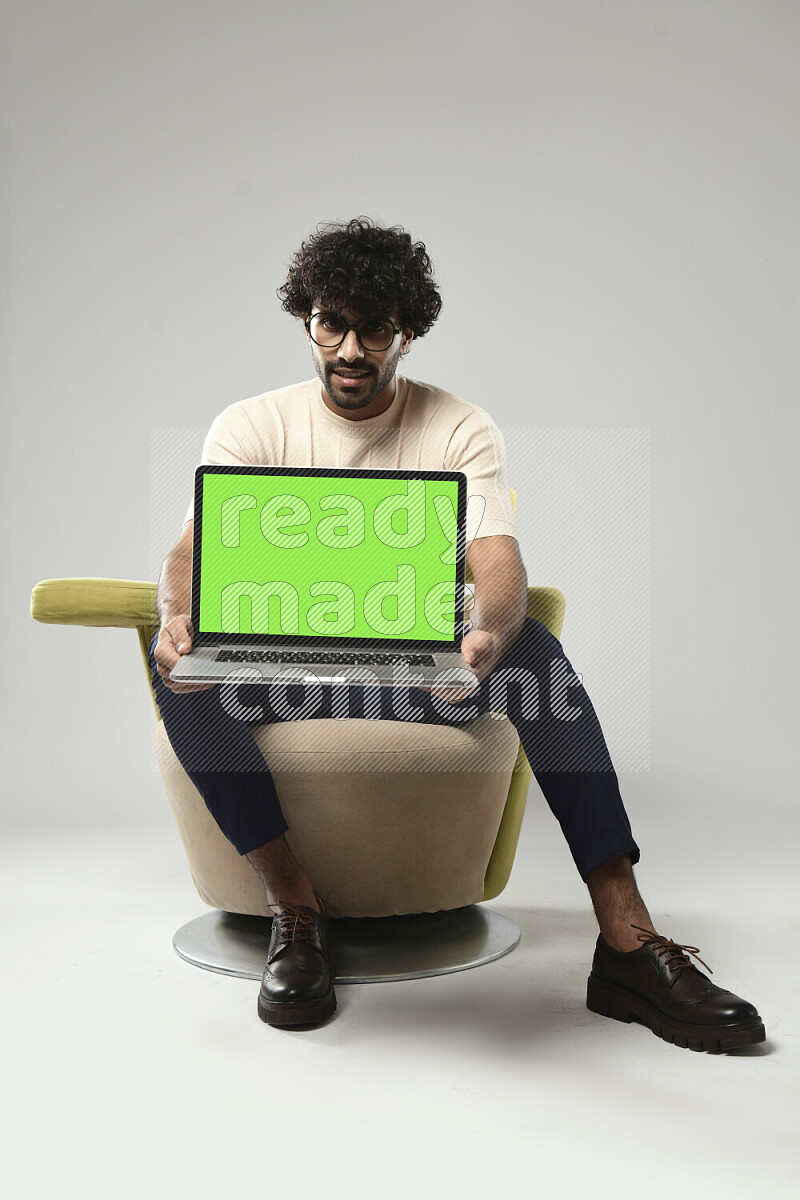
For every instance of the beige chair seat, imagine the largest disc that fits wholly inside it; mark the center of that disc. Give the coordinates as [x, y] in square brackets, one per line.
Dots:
[389, 817]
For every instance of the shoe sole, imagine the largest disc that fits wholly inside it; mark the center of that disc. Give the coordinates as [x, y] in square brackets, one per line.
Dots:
[610, 1000]
[309, 1012]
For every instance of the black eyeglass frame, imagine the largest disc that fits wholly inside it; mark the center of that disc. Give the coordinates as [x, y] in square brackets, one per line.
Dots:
[348, 325]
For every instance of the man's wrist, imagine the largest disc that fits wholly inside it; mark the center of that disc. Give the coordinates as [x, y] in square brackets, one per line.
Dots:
[168, 612]
[504, 634]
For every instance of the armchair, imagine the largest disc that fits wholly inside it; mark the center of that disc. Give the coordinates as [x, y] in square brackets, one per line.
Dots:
[410, 823]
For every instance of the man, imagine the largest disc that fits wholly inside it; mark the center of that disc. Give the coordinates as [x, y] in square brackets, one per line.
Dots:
[364, 293]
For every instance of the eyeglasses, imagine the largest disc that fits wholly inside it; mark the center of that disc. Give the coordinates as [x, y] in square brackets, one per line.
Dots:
[329, 329]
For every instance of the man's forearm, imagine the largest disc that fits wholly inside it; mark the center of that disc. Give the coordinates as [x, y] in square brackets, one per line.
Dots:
[175, 586]
[501, 607]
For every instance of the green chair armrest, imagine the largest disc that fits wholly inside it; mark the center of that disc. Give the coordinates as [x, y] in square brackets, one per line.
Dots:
[117, 603]
[547, 605]
[122, 603]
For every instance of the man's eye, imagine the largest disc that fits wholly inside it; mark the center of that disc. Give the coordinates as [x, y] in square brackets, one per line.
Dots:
[333, 324]
[376, 327]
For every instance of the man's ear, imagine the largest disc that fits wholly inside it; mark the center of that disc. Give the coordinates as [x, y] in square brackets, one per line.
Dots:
[408, 337]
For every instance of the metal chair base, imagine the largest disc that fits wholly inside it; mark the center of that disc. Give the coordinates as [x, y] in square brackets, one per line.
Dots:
[369, 949]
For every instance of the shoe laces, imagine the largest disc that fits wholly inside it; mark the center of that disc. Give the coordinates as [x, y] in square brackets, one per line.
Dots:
[677, 954]
[297, 924]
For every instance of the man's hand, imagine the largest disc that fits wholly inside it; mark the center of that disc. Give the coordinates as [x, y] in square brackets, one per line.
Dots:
[175, 639]
[481, 651]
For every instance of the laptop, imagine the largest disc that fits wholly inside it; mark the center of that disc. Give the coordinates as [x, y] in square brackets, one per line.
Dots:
[328, 574]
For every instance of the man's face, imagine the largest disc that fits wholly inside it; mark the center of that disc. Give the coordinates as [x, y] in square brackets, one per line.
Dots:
[352, 376]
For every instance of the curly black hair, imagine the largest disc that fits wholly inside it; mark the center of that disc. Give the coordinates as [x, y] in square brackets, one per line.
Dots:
[361, 265]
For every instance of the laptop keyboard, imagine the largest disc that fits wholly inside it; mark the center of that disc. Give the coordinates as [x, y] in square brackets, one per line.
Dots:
[353, 658]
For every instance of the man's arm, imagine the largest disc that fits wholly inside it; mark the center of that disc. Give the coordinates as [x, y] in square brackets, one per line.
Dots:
[173, 602]
[501, 605]
[175, 585]
[501, 598]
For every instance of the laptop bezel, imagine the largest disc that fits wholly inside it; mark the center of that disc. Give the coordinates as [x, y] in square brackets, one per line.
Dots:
[310, 641]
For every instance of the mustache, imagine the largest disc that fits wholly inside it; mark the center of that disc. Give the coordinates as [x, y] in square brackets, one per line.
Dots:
[341, 366]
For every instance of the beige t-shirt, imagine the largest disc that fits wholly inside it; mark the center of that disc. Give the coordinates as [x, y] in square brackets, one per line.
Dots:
[424, 428]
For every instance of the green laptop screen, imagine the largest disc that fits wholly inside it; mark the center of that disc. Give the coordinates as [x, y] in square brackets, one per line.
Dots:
[350, 557]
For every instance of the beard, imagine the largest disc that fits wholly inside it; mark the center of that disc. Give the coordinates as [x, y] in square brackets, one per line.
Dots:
[351, 400]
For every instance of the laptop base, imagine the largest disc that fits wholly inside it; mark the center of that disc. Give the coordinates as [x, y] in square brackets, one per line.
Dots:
[201, 666]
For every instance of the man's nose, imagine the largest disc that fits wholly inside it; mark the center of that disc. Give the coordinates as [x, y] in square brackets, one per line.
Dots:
[350, 347]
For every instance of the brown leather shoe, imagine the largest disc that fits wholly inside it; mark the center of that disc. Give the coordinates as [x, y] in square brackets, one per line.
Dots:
[297, 984]
[660, 987]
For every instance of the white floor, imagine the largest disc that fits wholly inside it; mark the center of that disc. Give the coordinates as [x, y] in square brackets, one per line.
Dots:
[129, 1073]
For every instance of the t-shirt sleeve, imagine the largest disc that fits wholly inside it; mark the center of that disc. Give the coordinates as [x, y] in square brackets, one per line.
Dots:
[228, 442]
[476, 447]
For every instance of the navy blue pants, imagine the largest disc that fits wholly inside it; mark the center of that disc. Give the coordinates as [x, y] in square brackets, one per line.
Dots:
[533, 683]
